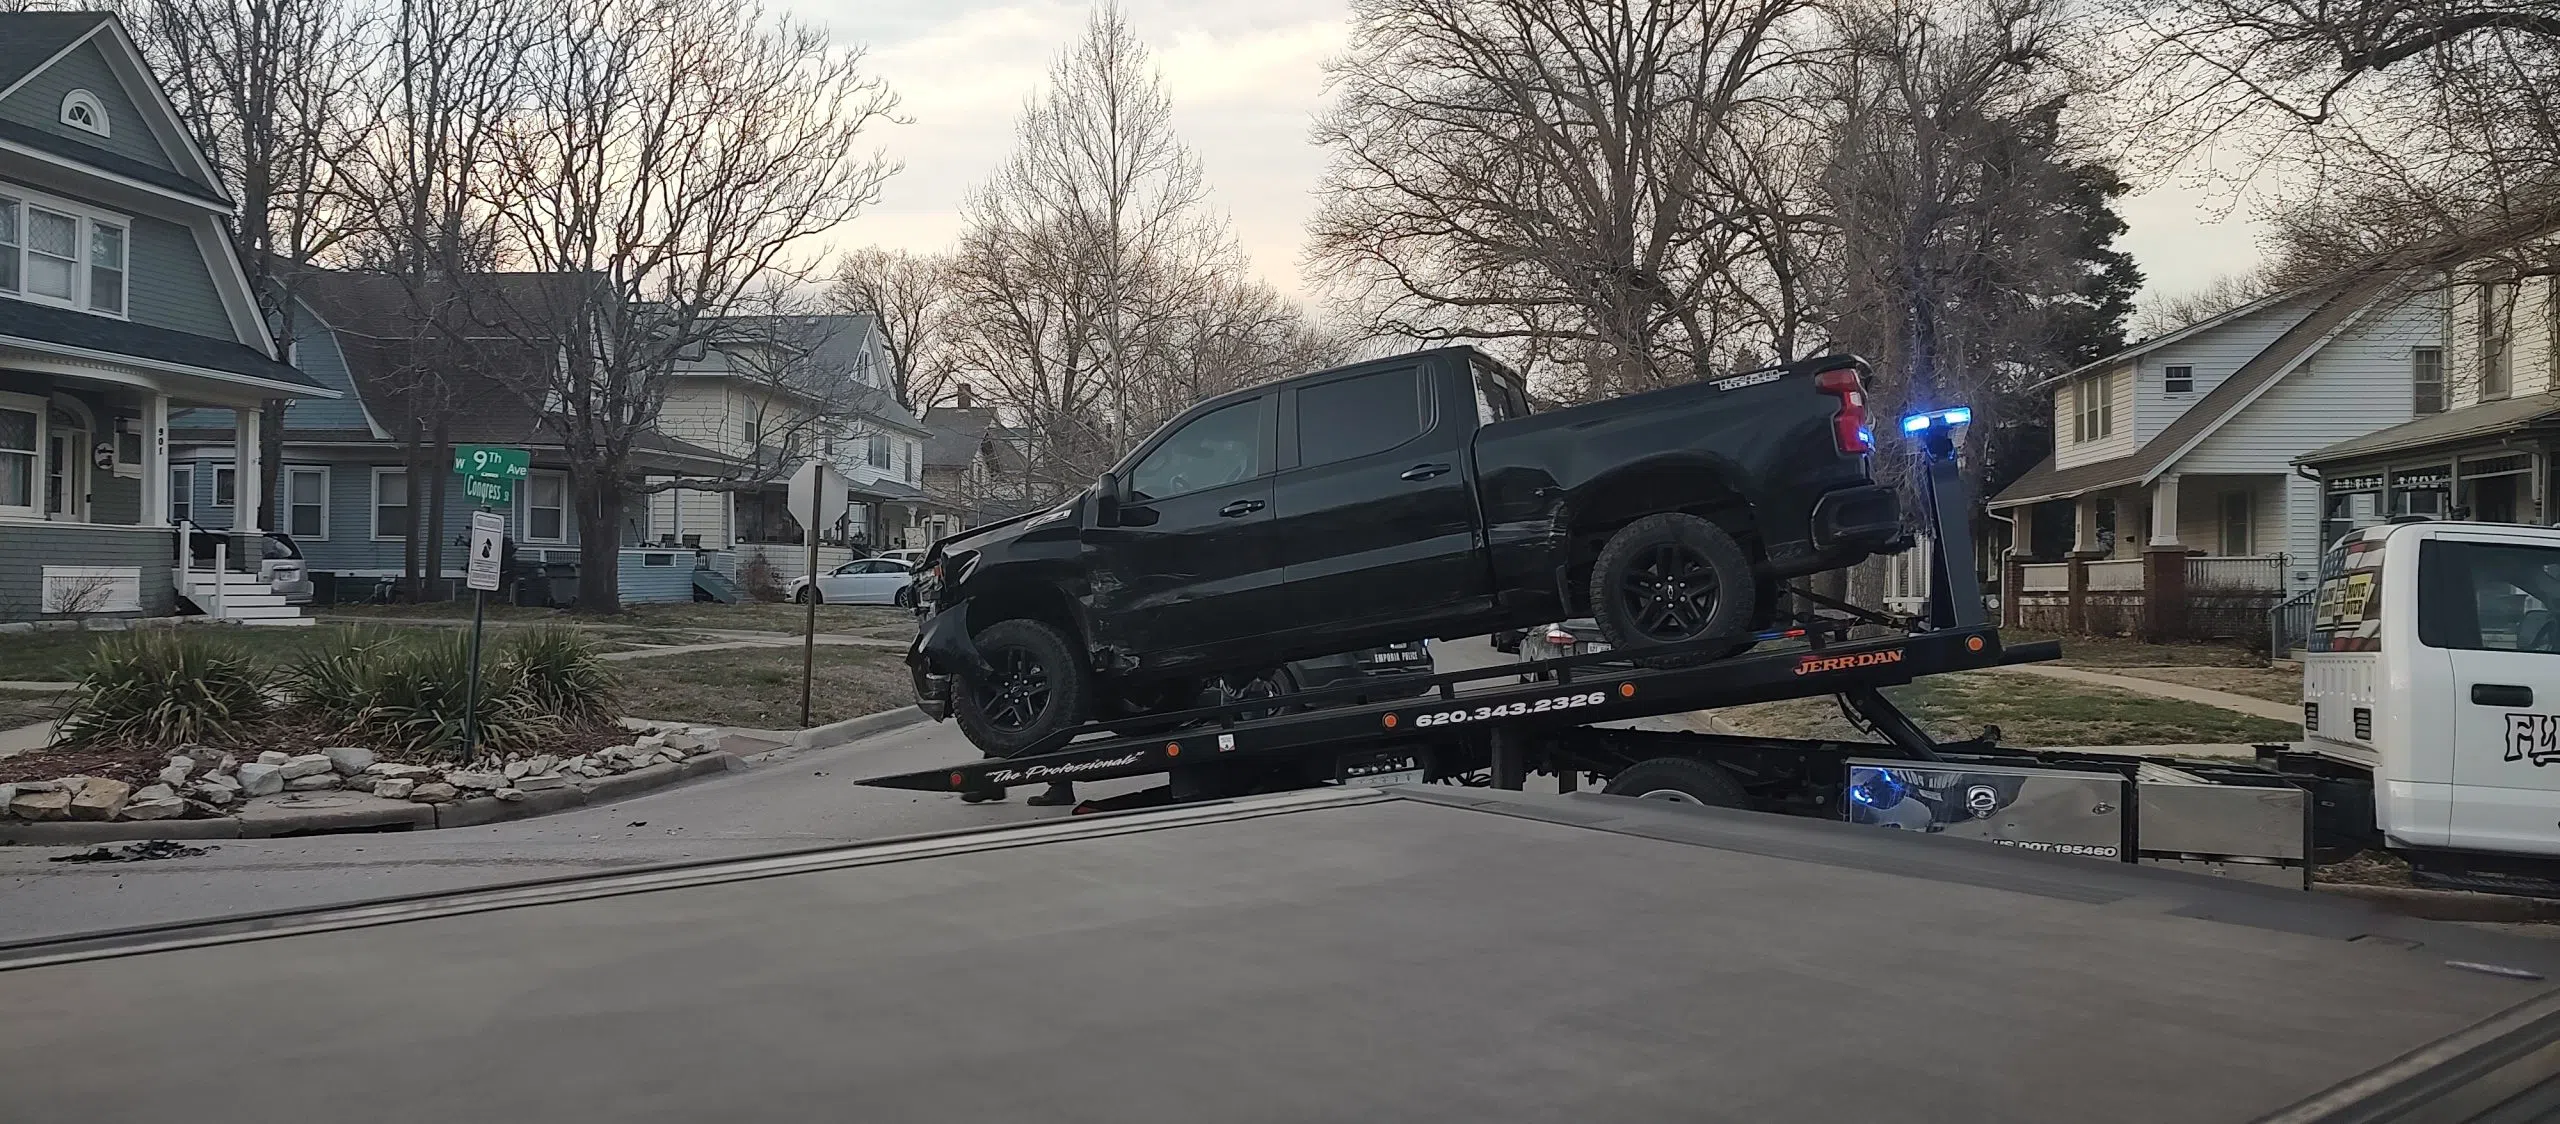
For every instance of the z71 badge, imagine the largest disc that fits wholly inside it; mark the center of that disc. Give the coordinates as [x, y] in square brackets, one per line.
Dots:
[2533, 737]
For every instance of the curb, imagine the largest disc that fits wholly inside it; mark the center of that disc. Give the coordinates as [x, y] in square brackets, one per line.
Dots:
[851, 729]
[401, 816]
[2447, 905]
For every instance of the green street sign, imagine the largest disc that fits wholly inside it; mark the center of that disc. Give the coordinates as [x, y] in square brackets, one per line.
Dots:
[488, 492]
[492, 462]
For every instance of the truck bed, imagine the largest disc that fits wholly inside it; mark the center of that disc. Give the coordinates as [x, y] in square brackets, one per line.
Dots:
[1406, 954]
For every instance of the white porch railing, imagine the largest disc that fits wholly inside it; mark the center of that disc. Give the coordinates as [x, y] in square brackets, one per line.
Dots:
[2119, 576]
[2253, 574]
[2045, 577]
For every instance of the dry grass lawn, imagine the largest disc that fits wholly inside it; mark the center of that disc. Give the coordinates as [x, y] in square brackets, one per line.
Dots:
[2029, 710]
[759, 688]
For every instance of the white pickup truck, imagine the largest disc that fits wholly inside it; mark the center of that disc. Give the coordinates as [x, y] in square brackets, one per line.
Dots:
[2434, 666]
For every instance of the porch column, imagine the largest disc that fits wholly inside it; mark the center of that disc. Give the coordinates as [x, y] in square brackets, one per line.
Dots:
[2164, 512]
[2084, 525]
[155, 460]
[249, 510]
[2164, 566]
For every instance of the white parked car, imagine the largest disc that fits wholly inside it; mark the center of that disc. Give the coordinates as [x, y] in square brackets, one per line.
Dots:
[907, 558]
[864, 581]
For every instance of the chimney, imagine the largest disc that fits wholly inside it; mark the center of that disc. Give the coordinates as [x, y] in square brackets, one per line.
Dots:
[962, 396]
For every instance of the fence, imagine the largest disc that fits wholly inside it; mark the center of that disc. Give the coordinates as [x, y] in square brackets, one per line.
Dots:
[2289, 624]
[2263, 573]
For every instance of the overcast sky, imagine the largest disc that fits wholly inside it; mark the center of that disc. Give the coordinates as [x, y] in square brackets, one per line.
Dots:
[1246, 80]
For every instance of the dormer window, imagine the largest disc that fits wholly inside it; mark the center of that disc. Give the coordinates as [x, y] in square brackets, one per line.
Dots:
[81, 110]
[61, 253]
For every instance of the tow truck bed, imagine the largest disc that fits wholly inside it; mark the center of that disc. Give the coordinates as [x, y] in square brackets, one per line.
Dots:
[1409, 954]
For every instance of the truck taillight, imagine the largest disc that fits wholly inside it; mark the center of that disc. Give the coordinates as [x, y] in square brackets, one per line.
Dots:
[1849, 429]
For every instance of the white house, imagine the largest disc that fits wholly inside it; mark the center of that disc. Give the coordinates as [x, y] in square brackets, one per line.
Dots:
[2174, 459]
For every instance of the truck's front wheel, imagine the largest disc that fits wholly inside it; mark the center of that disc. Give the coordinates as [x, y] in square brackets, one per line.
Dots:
[1038, 690]
[1673, 578]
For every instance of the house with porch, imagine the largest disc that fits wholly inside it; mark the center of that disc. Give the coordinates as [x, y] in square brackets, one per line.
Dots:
[2487, 444]
[121, 305]
[979, 469]
[2170, 503]
[771, 394]
[361, 479]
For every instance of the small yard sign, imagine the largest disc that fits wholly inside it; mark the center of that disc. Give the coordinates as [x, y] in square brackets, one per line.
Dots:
[492, 462]
[488, 532]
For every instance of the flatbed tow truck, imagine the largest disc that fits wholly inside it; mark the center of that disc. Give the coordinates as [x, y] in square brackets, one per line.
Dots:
[1346, 951]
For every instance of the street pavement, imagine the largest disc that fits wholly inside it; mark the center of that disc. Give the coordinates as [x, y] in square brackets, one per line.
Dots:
[805, 800]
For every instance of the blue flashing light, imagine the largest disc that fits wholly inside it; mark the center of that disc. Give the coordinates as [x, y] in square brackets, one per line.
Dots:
[1879, 790]
[1950, 418]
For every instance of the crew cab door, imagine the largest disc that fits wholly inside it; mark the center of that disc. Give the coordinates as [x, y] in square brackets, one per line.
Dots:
[2489, 610]
[1191, 562]
[1376, 520]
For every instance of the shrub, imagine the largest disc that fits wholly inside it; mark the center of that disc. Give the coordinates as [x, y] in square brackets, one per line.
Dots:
[563, 673]
[758, 578]
[166, 687]
[410, 693]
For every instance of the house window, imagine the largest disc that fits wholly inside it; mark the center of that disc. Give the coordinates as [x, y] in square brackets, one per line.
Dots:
[915, 461]
[753, 432]
[546, 507]
[2181, 379]
[182, 492]
[225, 486]
[391, 503]
[21, 434]
[2094, 408]
[2235, 524]
[2426, 380]
[129, 447]
[63, 254]
[2497, 308]
[306, 502]
[879, 452]
[81, 110]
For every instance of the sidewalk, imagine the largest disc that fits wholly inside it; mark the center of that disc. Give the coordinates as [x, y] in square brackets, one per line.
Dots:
[2261, 708]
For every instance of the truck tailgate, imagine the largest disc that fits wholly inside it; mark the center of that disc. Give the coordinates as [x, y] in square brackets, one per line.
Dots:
[1338, 954]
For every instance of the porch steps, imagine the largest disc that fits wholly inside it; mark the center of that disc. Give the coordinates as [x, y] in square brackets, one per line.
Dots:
[245, 599]
[716, 586]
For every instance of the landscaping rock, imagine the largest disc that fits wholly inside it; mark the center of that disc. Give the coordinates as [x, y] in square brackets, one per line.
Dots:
[312, 783]
[394, 788]
[261, 779]
[510, 795]
[100, 799]
[41, 805]
[650, 742]
[545, 763]
[274, 757]
[213, 794]
[686, 744]
[39, 786]
[487, 782]
[348, 760]
[157, 802]
[404, 772]
[542, 782]
[361, 782]
[307, 765]
[178, 771]
[433, 792]
[227, 765]
[517, 769]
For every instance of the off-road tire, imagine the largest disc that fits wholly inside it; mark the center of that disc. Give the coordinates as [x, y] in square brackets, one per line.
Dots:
[1645, 545]
[1060, 668]
[1680, 779]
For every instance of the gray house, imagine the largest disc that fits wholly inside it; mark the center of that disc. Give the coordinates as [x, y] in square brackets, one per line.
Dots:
[120, 301]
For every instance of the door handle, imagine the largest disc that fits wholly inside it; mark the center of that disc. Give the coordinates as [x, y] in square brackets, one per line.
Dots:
[2501, 694]
[1425, 471]
[1238, 508]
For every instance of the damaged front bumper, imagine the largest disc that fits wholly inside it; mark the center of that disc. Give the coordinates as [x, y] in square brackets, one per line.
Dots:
[941, 651]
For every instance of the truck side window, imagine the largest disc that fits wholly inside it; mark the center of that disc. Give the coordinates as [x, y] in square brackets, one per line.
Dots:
[1498, 398]
[1220, 447]
[1358, 416]
[2488, 596]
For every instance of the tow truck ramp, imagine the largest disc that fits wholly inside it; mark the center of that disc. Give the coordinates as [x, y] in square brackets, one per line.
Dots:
[1417, 953]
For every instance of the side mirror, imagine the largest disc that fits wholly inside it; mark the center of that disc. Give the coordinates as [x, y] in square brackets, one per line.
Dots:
[1106, 500]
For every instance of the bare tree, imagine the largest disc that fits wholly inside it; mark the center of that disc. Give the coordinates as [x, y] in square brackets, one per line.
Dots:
[909, 299]
[1579, 180]
[675, 158]
[2220, 295]
[270, 90]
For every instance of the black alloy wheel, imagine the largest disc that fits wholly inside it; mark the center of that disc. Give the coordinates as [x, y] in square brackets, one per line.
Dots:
[1033, 695]
[1673, 579]
[1670, 593]
[1014, 697]
[1270, 684]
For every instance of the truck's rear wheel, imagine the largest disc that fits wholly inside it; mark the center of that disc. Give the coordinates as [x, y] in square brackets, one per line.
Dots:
[1038, 691]
[1680, 780]
[1673, 578]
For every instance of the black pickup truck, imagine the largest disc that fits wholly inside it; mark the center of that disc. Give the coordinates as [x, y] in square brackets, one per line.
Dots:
[1414, 496]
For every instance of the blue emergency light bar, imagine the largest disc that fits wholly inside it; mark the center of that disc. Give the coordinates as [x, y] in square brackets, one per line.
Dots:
[1945, 419]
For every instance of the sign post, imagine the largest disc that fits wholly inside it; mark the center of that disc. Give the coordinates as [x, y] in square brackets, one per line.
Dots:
[488, 479]
[815, 489]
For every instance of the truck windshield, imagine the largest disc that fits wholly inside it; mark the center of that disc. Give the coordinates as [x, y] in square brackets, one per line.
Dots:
[2488, 596]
